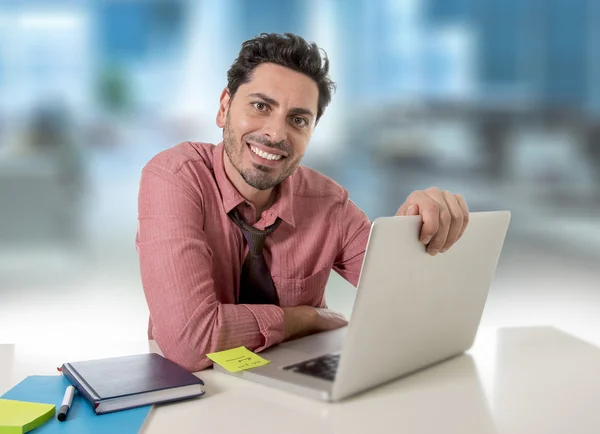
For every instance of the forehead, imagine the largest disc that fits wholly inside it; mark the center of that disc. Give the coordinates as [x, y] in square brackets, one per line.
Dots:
[288, 87]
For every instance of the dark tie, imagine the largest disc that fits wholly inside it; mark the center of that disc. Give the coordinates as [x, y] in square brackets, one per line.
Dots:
[256, 284]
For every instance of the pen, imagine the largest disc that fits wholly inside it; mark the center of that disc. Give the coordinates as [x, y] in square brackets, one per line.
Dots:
[66, 403]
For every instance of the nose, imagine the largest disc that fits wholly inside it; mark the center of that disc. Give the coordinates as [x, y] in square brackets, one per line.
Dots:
[275, 128]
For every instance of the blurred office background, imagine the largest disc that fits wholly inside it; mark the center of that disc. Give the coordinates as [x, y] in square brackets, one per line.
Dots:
[497, 100]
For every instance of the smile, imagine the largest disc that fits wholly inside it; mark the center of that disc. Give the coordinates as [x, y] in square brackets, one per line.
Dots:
[265, 155]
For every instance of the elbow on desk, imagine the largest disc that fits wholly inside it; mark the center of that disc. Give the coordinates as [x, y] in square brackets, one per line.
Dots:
[182, 353]
[187, 343]
[195, 365]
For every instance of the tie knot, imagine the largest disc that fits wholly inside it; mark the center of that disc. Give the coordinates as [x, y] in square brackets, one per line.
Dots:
[256, 242]
[254, 236]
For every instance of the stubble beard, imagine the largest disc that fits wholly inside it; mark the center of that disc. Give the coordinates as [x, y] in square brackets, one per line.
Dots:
[257, 176]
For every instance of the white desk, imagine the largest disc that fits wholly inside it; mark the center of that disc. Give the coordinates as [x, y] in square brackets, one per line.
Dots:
[513, 381]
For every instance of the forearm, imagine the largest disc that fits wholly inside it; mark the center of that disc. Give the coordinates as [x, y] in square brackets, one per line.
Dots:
[218, 327]
[298, 321]
[302, 321]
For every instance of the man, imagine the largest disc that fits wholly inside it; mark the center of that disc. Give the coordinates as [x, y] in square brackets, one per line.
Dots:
[236, 241]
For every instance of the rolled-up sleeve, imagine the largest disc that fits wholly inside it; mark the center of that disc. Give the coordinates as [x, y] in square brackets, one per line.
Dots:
[188, 320]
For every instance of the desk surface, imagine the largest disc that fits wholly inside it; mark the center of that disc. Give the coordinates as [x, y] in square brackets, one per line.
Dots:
[513, 381]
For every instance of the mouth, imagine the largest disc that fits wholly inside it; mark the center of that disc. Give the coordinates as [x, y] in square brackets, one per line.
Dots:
[265, 156]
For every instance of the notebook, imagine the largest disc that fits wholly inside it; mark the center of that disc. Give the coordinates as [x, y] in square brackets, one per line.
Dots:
[81, 418]
[120, 383]
[19, 417]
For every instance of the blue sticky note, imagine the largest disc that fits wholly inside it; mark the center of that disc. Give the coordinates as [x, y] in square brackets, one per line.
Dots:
[81, 418]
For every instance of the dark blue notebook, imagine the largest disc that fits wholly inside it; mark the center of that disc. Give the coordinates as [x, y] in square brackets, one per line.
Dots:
[126, 382]
[81, 418]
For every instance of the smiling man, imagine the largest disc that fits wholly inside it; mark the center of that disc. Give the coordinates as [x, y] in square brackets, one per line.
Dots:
[236, 241]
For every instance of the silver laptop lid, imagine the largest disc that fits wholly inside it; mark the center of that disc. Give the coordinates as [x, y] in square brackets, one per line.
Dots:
[413, 309]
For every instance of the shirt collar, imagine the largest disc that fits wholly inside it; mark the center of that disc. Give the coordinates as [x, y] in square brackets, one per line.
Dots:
[283, 206]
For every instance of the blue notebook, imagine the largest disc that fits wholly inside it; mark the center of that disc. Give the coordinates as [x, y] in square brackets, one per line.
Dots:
[81, 418]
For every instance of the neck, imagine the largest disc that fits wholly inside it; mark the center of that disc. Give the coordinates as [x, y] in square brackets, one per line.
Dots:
[261, 199]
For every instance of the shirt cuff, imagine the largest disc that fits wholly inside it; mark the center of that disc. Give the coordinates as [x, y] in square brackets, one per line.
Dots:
[270, 323]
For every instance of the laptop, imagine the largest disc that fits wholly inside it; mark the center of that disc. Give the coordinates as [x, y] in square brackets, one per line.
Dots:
[411, 311]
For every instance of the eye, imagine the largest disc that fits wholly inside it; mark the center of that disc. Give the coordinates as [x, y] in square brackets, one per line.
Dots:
[300, 121]
[260, 106]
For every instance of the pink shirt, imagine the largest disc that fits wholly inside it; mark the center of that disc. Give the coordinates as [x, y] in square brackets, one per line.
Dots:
[191, 253]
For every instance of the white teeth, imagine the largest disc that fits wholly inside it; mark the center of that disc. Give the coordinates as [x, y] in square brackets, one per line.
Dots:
[265, 155]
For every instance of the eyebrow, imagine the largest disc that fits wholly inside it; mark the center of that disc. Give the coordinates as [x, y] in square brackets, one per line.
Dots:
[274, 103]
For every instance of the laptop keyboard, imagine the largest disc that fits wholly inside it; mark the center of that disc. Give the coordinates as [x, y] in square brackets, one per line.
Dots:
[324, 367]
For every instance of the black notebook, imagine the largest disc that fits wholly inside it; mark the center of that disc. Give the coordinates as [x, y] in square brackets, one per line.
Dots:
[126, 382]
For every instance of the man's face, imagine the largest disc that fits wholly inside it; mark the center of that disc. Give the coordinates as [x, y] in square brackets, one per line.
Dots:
[268, 124]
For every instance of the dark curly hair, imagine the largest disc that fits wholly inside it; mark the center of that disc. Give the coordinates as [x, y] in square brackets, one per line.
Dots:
[289, 50]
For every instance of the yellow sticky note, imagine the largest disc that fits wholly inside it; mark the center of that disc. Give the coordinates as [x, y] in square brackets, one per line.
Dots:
[18, 417]
[237, 359]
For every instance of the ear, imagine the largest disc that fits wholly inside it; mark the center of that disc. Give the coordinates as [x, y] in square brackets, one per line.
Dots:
[223, 107]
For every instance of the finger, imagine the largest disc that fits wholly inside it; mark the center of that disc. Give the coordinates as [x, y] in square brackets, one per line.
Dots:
[335, 321]
[408, 208]
[430, 212]
[456, 220]
[412, 210]
[333, 317]
[443, 222]
[465, 212]
[402, 209]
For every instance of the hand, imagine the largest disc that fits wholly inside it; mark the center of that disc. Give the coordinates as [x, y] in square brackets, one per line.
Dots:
[302, 321]
[445, 217]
